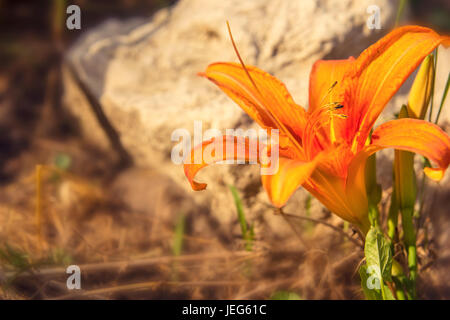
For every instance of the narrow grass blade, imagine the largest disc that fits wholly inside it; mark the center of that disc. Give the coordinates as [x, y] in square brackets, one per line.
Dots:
[247, 235]
[178, 236]
[240, 210]
[444, 96]
[400, 9]
[433, 85]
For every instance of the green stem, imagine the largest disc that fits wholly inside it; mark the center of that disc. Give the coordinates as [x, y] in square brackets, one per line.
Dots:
[409, 234]
[399, 289]
[399, 279]
[374, 215]
[392, 220]
[422, 191]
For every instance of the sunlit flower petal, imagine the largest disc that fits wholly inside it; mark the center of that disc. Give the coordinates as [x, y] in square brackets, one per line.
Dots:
[324, 74]
[290, 175]
[218, 149]
[266, 100]
[380, 71]
[413, 135]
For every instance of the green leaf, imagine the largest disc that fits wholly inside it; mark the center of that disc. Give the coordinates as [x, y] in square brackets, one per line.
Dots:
[369, 283]
[285, 295]
[378, 254]
[373, 290]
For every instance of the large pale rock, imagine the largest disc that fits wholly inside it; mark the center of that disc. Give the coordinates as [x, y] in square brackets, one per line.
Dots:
[142, 75]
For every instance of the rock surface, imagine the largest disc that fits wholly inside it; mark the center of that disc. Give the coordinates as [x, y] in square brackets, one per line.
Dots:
[141, 74]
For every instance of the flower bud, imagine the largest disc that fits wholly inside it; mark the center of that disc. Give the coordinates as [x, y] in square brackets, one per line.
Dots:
[420, 93]
[405, 177]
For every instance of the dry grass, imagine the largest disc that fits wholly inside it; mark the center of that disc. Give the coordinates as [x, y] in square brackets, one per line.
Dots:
[127, 253]
[124, 253]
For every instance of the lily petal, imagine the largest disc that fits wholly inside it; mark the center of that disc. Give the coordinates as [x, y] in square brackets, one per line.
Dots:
[332, 192]
[290, 176]
[413, 135]
[324, 74]
[381, 70]
[417, 136]
[326, 91]
[215, 150]
[266, 100]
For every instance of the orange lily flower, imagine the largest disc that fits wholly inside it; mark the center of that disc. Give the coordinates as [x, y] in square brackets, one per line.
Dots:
[325, 148]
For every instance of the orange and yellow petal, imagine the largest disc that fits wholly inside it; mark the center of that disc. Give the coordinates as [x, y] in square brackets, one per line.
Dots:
[291, 174]
[263, 97]
[412, 135]
[332, 193]
[324, 74]
[379, 72]
[416, 136]
[216, 150]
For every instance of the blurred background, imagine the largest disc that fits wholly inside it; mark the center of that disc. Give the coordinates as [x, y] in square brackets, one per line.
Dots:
[85, 138]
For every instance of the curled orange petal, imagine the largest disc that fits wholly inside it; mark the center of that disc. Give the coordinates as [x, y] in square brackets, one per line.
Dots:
[417, 136]
[216, 150]
[412, 135]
